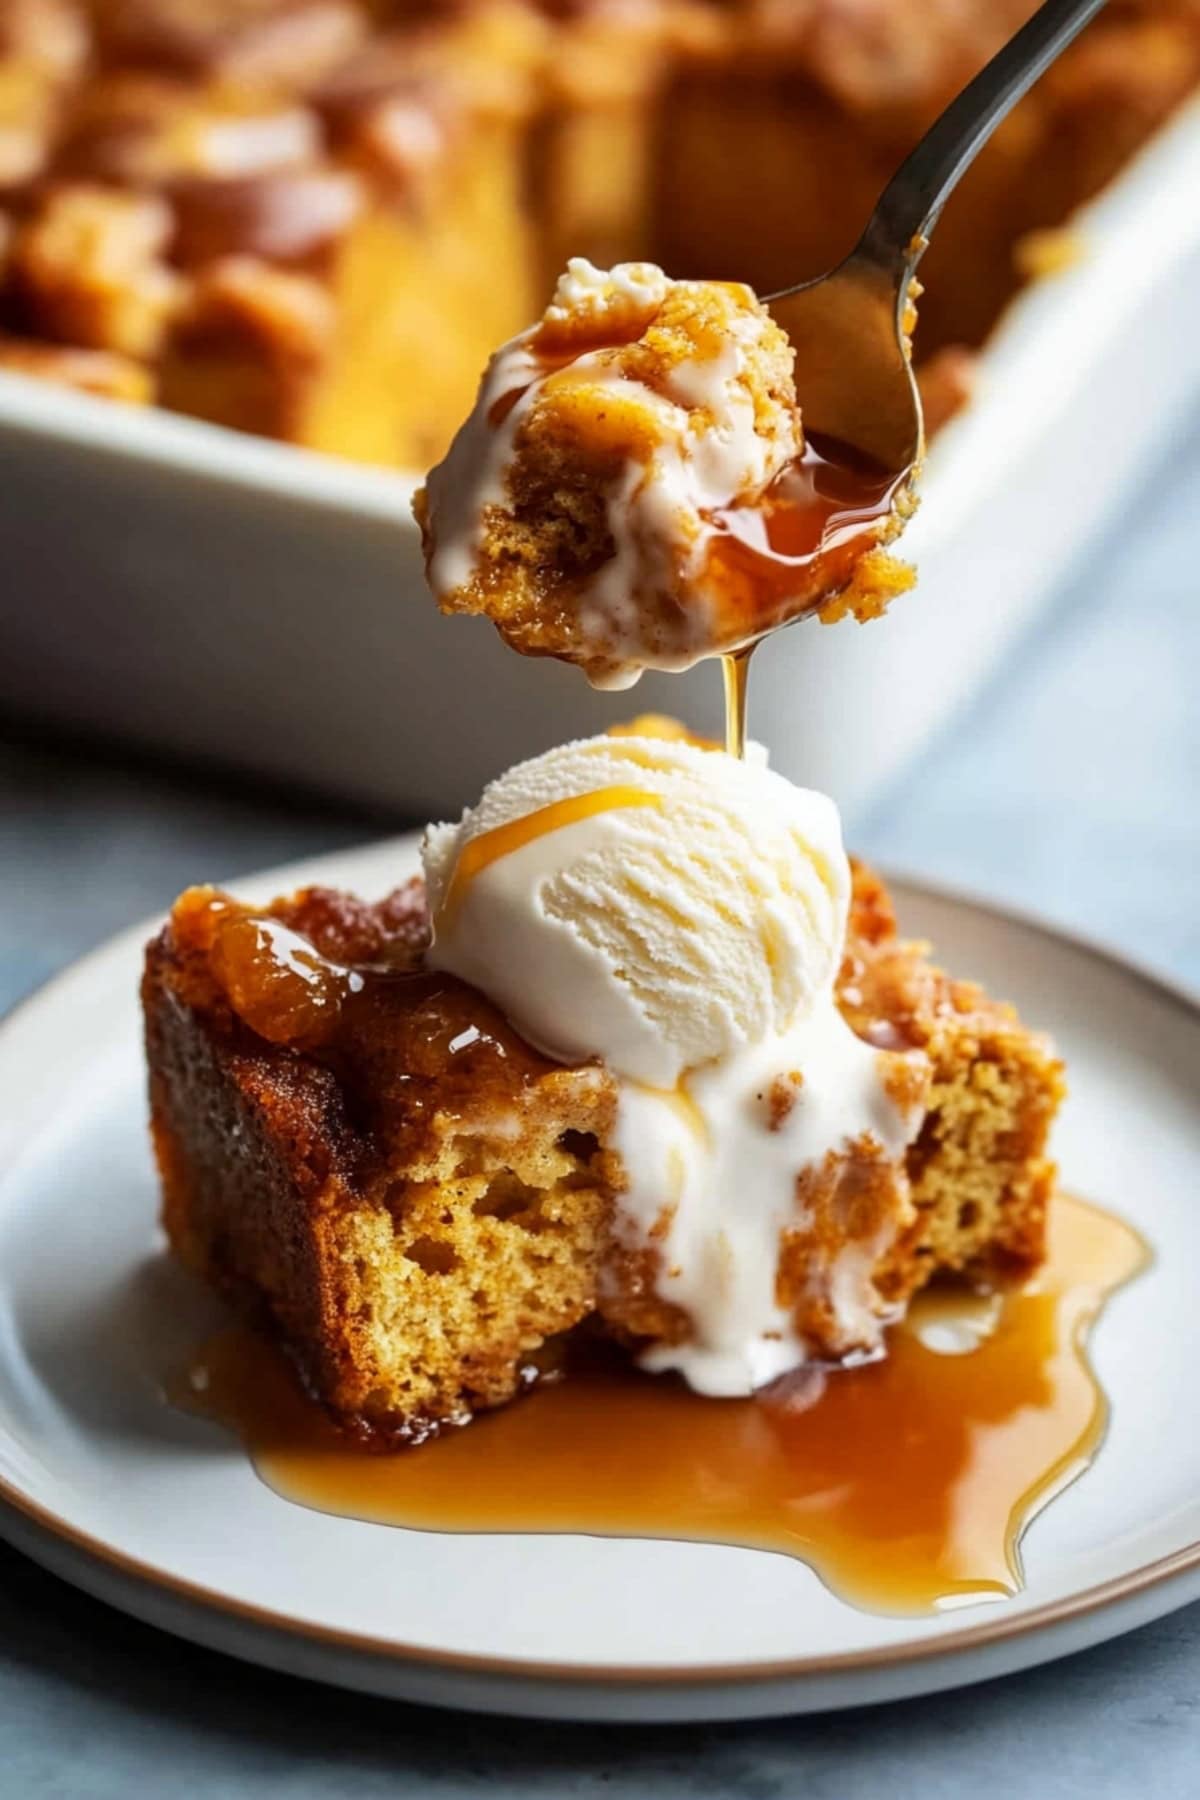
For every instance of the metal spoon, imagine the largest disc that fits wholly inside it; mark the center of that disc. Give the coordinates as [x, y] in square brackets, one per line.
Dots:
[853, 370]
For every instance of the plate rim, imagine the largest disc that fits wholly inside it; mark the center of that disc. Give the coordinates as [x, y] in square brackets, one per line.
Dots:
[58, 1534]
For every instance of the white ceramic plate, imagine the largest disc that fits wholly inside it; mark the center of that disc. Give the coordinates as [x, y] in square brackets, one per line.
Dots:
[163, 1515]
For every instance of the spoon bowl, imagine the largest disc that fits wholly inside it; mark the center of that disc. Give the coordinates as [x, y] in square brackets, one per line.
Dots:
[852, 327]
[853, 364]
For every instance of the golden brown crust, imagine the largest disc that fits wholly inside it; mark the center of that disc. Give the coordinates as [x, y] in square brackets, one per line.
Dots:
[421, 1202]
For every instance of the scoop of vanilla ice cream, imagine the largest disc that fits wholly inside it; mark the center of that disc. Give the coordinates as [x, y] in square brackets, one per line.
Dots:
[650, 902]
[682, 914]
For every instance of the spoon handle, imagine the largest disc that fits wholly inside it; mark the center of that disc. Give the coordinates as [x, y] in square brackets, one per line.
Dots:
[908, 208]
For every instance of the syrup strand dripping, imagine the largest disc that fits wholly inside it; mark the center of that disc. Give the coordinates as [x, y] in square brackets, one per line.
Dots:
[736, 670]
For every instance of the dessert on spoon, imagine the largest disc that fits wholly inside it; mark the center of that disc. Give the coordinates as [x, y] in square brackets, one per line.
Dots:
[658, 471]
[634, 488]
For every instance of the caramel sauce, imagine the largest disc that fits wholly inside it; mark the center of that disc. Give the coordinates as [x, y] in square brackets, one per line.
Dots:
[480, 852]
[736, 672]
[345, 984]
[800, 544]
[278, 982]
[905, 1483]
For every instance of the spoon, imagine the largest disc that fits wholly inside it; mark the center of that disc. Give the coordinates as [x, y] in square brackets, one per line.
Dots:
[853, 367]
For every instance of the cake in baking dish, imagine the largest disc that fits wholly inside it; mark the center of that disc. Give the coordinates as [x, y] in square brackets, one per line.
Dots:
[313, 219]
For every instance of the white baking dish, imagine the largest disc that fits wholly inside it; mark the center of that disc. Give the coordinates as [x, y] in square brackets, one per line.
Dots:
[183, 586]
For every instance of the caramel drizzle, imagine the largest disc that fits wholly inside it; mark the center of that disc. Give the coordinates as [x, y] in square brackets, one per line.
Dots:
[490, 846]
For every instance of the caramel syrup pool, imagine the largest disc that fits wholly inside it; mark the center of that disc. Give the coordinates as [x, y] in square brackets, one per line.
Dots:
[905, 1483]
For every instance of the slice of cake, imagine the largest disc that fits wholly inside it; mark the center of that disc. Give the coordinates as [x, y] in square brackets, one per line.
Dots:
[416, 1201]
[381, 1163]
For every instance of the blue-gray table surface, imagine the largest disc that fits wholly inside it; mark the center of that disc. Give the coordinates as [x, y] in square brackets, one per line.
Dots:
[1069, 785]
